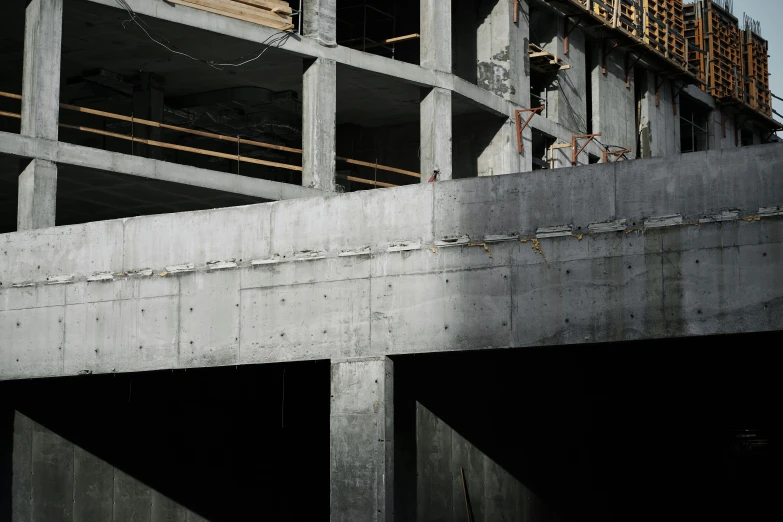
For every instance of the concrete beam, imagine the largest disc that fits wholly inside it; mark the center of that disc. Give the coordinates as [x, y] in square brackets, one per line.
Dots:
[320, 21]
[76, 155]
[362, 440]
[319, 124]
[436, 127]
[37, 195]
[396, 271]
[435, 29]
[41, 77]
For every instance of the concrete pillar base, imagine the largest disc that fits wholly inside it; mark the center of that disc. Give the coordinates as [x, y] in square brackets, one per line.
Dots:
[362, 445]
[436, 129]
[37, 195]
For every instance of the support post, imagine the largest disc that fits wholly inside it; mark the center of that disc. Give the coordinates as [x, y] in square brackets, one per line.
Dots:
[435, 29]
[320, 21]
[435, 134]
[362, 440]
[40, 109]
[319, 112]
[37, 196]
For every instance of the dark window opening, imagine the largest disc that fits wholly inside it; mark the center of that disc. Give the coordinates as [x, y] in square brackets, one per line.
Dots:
[381, 27]
[542, 151]
[694, 119]
[746, 137]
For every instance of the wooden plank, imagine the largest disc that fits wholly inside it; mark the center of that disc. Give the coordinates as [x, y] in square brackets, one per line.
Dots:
[247, 14]
[132, 499]
[275, 7]
[182, 148]
[379, 167]
[22, 468]
[93, 487]
[52, 481]
[370, 182]
[10, 95]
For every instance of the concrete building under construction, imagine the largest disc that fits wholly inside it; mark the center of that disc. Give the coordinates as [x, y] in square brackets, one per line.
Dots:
[421, 260]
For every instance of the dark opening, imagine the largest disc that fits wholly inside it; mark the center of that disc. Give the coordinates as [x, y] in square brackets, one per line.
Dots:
[383, 27]
[694, 121]
[244, 443]
[542, 153]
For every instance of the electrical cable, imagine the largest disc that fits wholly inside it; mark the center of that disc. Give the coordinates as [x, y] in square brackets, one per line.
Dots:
[278, 39]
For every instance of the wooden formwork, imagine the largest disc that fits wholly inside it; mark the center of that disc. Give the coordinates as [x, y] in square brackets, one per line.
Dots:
[717, 32]
[628, 16]
[755, 51]
[271, 13]
[664, 28]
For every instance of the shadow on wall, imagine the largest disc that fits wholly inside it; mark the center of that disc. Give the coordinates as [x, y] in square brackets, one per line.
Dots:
[219, 443]
[643, 431]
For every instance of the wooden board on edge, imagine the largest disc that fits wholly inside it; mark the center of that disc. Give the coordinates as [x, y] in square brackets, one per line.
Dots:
[269, 5]
[236, 10]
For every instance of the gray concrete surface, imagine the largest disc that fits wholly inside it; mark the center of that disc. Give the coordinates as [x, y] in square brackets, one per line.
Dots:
[319, 106]
[362, 440]
[436, 134]
[78, 156]
[376, 272]
[41, 77]
[37, 202]
[319, 21]
[435, 30]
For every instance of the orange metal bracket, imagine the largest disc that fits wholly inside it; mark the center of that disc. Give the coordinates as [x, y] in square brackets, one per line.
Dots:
[618, 154]
[605, 54]
[629, 66]
[575, 153]
[516, 11]
[522, 126]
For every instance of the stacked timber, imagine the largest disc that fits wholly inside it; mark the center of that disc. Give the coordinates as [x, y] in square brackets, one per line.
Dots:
[756, 65]
[717, 32]
[664, 28]
[271, 13]
[622, 14]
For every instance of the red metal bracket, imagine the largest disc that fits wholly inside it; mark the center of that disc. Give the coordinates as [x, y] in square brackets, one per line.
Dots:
[575, 153]
[516, 11]
[618, 155]
[629, 66]
[567, 36]
[522, 126]
[676, 95]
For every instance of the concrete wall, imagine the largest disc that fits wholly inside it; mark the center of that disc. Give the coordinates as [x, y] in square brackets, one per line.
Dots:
[614, 107]
[370, 273]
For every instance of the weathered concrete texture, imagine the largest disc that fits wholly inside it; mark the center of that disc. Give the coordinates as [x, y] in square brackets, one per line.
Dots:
[37, 203]
[320, 21]
[384, 280]
[41, 79]
[501, 51]
[442, 456]
[614, 109]
[76, 155]
[54, 479]
[659, 127]
[362, 440]
[436, 134]
[319, 127]
[501, 155]
[435, 30]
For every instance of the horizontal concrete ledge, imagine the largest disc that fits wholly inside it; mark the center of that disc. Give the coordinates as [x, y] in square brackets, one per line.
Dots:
[77, 155]
[267, 282]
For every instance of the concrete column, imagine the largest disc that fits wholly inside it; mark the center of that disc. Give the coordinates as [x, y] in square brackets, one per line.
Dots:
[148, 101]
[501, 50]
[435, 30]
[320, 21]
[659, 128]
[501, 155]
[319, 108]
[362, 440]
[41, 77]
[40, 109]
[435, 135]
[37, 195]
